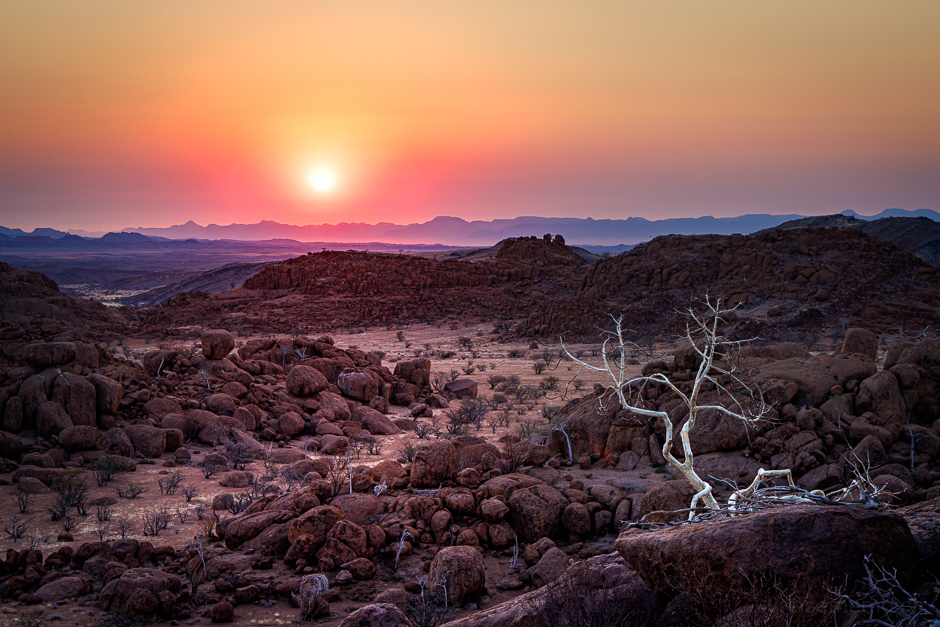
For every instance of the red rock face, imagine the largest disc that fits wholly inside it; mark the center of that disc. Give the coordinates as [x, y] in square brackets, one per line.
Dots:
[374, 288]
[810, 275]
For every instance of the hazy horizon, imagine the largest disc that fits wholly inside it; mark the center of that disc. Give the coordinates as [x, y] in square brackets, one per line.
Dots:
[117, 115]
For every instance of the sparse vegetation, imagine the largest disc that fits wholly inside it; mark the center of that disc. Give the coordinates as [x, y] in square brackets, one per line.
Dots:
[153, 522]
[170, 483]
[129, 491]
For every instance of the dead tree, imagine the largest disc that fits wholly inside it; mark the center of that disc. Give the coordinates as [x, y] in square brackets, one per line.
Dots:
[702, 332]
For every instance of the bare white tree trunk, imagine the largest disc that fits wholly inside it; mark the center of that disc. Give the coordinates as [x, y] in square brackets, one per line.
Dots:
[702, 333]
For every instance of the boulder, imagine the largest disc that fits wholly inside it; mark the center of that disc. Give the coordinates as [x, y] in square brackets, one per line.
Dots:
[158, 408]
[360, 568]
[11, 446]
[459, 570]
[377, 615]
[217, 344]
[389, 468]
[118, 594]
[221, 404]
[236, 479]
[667, 496]
[602, 590]
[336, 404]
[923, 519]
[358, 385]
[49, 354]
[576, 519]
[333, 444]
[821, 544]
[248, 526]
[108, 393]
[120, 442]
[493, 510]
[223, 612]
[51, 419]
[83, 438]
[881, 395]
[816, 376]
[290, 424]
[77, 395]
[352, 535]
[147, 440]
[717, 431]
[550, 567]
[304, 381]
[433, 464]
[462, 388]
[362, 509]
[374, 422]
[62, 589]
[316, 523]
[536, 511]
[379, 404]
[869, 453]
[862, 342]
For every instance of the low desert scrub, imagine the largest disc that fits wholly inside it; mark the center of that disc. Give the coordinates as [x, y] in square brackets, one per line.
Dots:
[587, 601]
[189, 492]
[153, 522]
[239, 454]
[22, 496]
[15, 527]
[72, 490]
[763, 601]
[105, 469]
[170, 483]
[129, 491]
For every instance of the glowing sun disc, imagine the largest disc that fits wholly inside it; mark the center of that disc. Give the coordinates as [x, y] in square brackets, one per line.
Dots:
[320, 180]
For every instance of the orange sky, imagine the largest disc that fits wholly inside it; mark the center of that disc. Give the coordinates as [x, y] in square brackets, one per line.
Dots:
[116, 114]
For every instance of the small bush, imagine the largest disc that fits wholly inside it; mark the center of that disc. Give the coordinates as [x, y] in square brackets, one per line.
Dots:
[106, 469]
[15, 528]
[170, 483]
[538, 366]
[103, 513]
[408, 451]
[549, 383]
[516, 353]
[154, 522]
[129, 491]
[239, 454]
[22, 496]
[190, 492]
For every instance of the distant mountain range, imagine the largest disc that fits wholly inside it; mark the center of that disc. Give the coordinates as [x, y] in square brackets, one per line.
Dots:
[442, 230]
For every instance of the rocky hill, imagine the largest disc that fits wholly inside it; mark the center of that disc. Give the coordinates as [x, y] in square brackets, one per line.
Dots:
[329, 289]
[919, 236]
[31, 307]
[795, 278]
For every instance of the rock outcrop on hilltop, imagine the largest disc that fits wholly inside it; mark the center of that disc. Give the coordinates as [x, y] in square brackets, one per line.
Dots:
[362, 288]
[31, 307]
[806, 278]
[791, 281]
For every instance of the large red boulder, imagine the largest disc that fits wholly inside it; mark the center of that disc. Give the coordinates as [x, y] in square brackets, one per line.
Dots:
[217, 344]
[826, 545]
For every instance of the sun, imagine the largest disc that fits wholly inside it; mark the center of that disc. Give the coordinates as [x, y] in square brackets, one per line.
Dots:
[321, 181]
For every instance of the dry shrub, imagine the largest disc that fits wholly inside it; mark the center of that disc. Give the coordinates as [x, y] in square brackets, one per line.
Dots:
[588, 600]
[765, 600]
